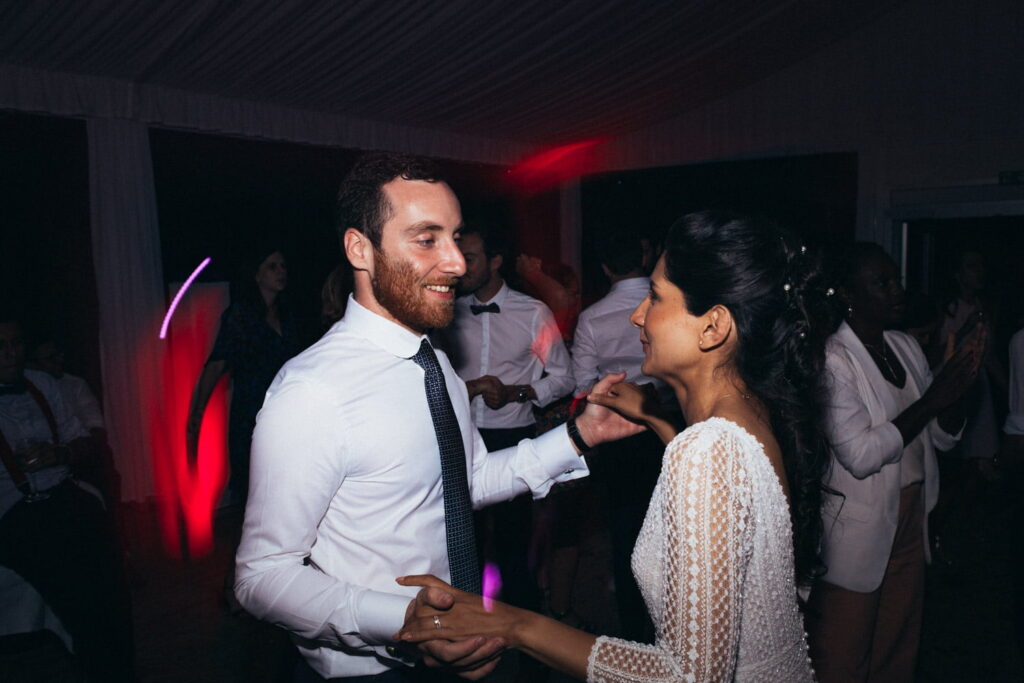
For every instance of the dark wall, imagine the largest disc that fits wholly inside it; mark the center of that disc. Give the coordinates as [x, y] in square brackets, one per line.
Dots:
[45, 242]
[230, 198]
[815, 196]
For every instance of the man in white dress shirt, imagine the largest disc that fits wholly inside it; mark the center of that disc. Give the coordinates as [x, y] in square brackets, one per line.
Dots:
[346, 480]
[507, 347]
[54, 534]
[47, 356]
[606, 342]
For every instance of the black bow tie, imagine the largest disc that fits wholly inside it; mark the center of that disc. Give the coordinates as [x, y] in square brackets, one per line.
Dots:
[15, 389]
[486, 308]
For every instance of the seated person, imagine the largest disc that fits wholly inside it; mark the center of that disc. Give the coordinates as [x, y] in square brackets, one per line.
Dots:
[53, 533]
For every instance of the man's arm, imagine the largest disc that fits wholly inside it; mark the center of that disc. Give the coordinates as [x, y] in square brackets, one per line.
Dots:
[73, 442]
[549, 348]
[297, 465]
[584, 355]
[535, 465]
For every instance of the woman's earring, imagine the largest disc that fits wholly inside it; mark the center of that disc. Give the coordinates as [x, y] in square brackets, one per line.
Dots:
[700, 342]
[849, 311]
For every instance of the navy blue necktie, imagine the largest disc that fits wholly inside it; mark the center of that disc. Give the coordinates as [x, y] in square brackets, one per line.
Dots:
[458, 508]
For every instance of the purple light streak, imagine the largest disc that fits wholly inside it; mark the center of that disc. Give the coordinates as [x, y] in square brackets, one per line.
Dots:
[180, 294]
[491, 585]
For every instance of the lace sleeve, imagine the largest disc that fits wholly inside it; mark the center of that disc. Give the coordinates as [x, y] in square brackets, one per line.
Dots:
[703, 510]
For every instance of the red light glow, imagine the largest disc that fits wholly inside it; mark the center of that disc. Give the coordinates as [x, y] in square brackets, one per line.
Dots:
[189, 493]
[557, 165]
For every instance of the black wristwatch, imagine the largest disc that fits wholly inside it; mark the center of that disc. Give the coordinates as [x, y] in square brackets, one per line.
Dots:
[523, 395]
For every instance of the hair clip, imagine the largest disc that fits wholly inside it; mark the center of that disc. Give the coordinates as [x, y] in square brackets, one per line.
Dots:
[830, 292]
[802, 334]
[786, 287]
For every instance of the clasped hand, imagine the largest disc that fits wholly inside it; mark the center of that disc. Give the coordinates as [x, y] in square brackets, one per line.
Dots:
[457, 643]
[38, 456]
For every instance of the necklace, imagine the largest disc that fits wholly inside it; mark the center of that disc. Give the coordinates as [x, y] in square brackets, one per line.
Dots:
[880, 353]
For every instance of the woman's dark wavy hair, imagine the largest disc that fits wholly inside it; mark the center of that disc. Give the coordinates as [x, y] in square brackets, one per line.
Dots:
[244, 289]
[775, 291]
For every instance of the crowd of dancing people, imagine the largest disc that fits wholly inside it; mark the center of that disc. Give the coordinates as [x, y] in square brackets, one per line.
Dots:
[766, 426]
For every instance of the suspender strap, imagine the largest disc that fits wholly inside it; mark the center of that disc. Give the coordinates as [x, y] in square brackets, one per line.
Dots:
[11, 463]
[44, 406]
[7, 455]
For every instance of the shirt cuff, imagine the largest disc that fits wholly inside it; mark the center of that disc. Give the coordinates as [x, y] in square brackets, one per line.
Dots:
[558, 458]
[380, 615]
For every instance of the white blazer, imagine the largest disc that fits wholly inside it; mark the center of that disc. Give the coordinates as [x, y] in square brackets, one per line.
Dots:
[866, 458]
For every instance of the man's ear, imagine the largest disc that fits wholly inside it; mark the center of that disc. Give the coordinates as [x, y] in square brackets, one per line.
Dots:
[358, 250]
[718, 324]
[495, 262]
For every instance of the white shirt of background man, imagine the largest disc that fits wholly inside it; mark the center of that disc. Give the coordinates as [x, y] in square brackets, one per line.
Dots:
[519, 345]
[605, 340]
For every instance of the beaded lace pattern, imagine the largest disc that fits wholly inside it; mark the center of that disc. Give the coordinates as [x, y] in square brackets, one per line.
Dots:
[714, 561]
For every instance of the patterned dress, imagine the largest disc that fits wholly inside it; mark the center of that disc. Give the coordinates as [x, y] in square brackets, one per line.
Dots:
[714, 561]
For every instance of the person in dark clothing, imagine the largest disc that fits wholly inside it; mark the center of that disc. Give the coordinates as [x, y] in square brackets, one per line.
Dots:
[257, 335]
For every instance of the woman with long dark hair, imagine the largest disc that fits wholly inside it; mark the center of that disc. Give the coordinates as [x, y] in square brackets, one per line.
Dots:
[257, 335]
[731, 324]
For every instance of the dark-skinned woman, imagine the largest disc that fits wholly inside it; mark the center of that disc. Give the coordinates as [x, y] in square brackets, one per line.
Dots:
[885, 418]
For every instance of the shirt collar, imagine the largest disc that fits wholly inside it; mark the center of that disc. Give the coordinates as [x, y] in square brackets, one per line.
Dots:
[498, 298]
[632, 283]
[378, 330]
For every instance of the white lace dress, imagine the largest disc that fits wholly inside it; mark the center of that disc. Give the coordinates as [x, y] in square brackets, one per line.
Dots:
[715, 563]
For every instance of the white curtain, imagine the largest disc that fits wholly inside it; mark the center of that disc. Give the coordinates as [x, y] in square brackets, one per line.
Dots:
[67, 94]
[129, 285]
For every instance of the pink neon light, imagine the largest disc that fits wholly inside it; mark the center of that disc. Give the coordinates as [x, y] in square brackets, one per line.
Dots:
[492, 585]
[181, 293]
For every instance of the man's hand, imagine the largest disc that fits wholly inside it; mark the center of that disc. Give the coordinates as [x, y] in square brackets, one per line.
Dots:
[489, 386]
[472, 658]
[496, 394]
[599, 424]
[38, 456]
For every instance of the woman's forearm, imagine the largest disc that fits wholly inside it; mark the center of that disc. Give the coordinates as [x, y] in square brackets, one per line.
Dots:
[664, 428]
[553, 643]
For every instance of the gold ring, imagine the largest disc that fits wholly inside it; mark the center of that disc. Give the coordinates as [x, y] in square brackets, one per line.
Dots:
[437, 621]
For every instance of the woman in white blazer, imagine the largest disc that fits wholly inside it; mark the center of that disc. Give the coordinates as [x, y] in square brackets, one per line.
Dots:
[885, 418]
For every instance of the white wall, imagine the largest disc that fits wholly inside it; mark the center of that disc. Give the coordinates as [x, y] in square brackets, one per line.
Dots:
[929, 95]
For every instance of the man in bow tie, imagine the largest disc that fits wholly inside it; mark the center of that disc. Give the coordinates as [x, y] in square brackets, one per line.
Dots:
[507, 347]
[55, 535]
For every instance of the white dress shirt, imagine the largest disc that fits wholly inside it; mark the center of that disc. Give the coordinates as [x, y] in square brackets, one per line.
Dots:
[605, 341]
[23, 423]
[81, 401]
[517, 345]
[346, 470]
[1015, 417]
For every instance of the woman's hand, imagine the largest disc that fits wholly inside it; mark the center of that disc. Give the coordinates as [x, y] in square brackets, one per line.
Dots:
[598, 423]
[637, 403]
[467, 617]
[631, 400]
[959, 370]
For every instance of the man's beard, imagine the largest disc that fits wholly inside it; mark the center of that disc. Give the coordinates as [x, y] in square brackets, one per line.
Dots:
[401, 293]
[466, 287]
